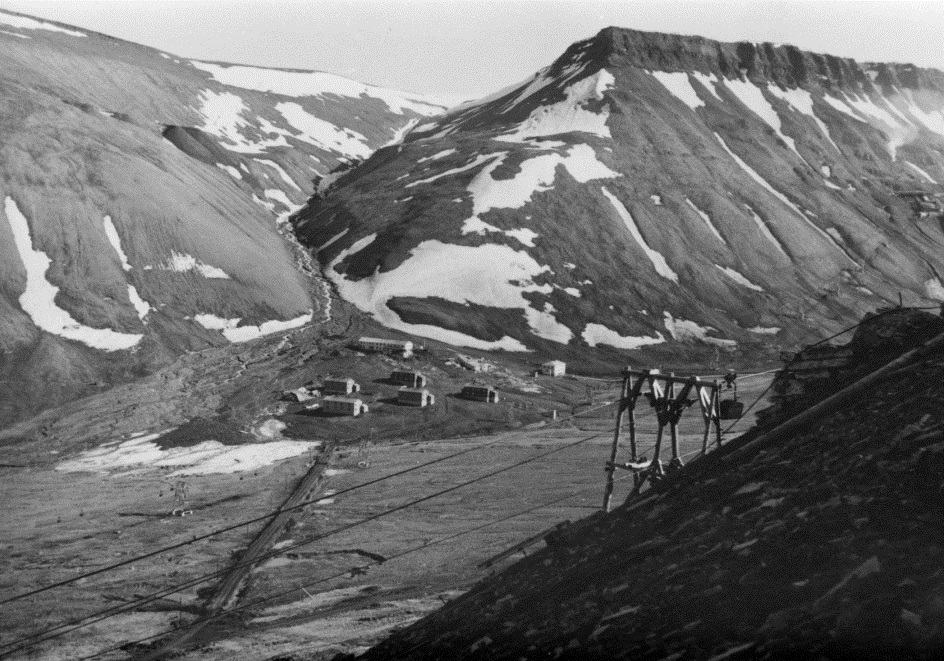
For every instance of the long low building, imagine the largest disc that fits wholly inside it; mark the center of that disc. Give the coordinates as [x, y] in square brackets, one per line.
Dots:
[408, 379]
[401, 347]
[480, 394]
[415, 397]
[341, 386]
[353, 406]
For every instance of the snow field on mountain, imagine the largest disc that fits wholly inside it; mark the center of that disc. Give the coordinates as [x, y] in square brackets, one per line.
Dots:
[704, 216]
[115, 241]
[476, 225]
[141, 306]
[318, 132]
[453, 273]
[934, 289]
[682, 330]
[762, 330]
[313, 83]
[26, 23]
[765, 231]
[204, 458]
[233, 332]
[229, 169]
[223, 114]
[783, 198]
[657, 259]
[281, 172]
[477, 161]
[753, 97]
[921, 172]
[568, 115]
[279, 196]
[708, 81]
[181, 263]
[435, 157]
[933, 121]
[38, 299]
[802, 101]
[594, 334]
[739, 278]
[680, 86]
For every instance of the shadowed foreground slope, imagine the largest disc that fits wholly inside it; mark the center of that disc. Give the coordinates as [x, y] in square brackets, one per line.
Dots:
[827, 545]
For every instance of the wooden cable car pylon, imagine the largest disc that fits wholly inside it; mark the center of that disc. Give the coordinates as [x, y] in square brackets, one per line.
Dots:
[669, 405]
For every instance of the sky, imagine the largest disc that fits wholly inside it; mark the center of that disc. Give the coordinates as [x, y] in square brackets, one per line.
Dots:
[468, 48]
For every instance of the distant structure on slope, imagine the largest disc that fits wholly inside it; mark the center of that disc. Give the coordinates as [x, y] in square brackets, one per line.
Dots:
[415, 397]
[409, 379]
[380, 345]
[353, 406]
[299, 395]
[474, 364]
[341, 386]
[554, 368]
[480, 394]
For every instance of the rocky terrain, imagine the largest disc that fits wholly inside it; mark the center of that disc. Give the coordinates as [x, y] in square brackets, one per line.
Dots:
[654, 194]
[141, 197]
[825, 544]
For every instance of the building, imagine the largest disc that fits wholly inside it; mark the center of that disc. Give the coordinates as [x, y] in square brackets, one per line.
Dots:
[474, 364]
[408, 379]
[400, 347]
[341, 386]
[415, 397]
[480, 394]
[353, 406]
[554, 368]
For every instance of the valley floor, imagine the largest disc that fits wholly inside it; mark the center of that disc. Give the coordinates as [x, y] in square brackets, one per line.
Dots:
[343, 591]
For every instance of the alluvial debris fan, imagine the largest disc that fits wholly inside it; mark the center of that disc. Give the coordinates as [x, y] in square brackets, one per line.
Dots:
[143, 199]
[824, 545]
[658, 194]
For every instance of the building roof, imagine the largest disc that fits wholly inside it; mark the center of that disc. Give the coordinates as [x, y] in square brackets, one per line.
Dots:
[342, 398]
[554, 362]
[416, 390]
[380, 340]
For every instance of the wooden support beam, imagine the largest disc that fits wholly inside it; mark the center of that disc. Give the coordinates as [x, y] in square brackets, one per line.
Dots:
[629, 394]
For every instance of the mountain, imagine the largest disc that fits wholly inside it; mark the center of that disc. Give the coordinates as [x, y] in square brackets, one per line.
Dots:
[143, 199]
[819, 543]
[661, 195]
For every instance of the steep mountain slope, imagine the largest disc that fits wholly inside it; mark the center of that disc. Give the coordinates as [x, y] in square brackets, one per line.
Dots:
[140, 194]
[824, 544]
[650, 193]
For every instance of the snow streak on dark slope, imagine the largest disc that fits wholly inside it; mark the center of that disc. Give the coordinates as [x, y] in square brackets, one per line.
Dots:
[139, 200]
[653, 193]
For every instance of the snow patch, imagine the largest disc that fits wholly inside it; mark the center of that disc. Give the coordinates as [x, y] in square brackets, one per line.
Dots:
[921, 172]
[753, 97]
[442, 154]
[318, 132]
[115, 241]
[738, 278]
[658, 261]
[680, 86]
[477, 161]
[205, 458]
[568, 115]
[490, 275]
[181, 263]
[707, 219]
[233, 172]
[38, 299]
[314, 83]
[656, 200]
[235, 333]
[14, 34]
[761, 330]
[594, 334]
[934, 289]
[709, 81]
[802, 101]
[26, 23]
[765, 231]
[282, 173]
[279, 196]
[141, 306]
[682, 330]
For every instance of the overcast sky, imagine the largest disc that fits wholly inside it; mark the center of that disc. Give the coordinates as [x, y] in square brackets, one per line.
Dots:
[467, 48]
